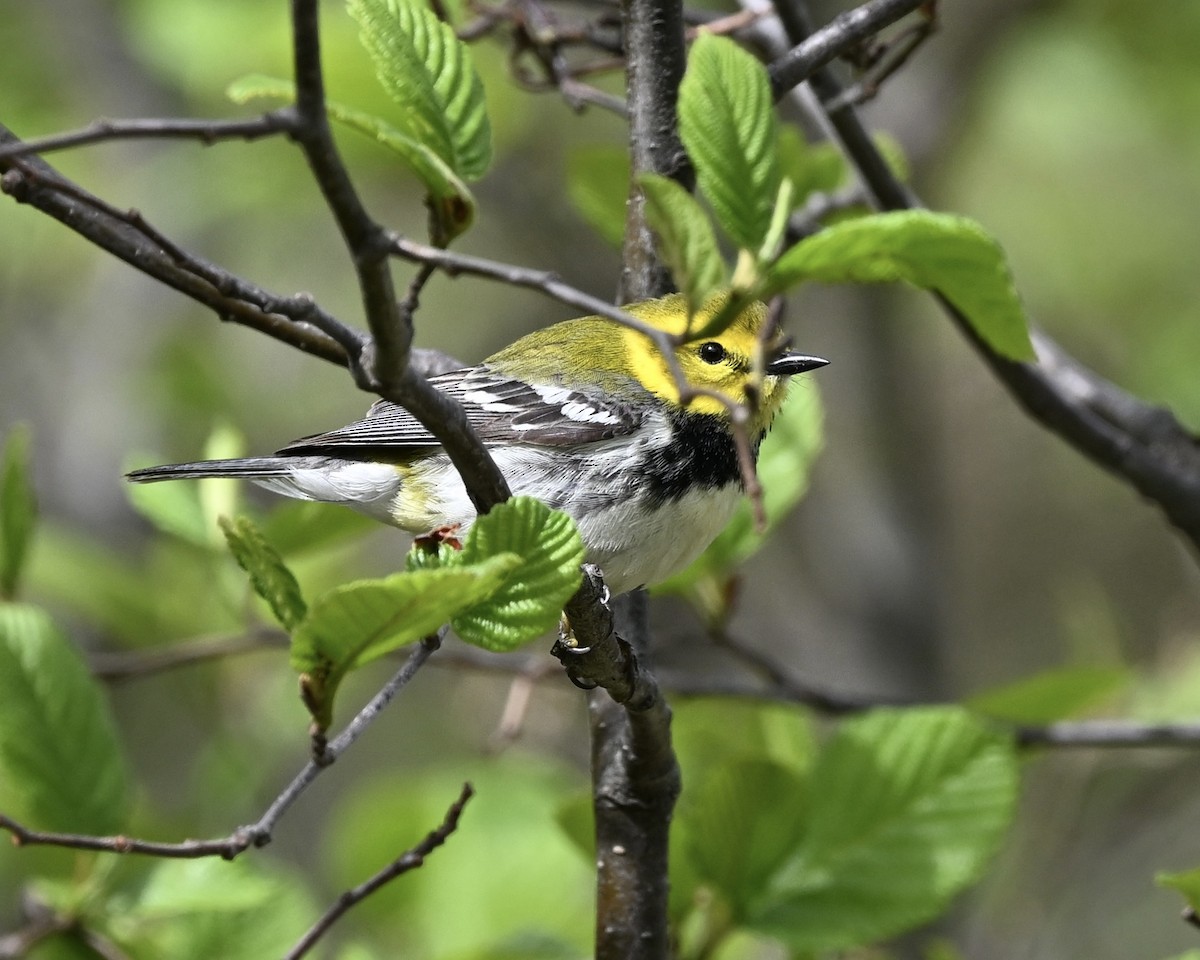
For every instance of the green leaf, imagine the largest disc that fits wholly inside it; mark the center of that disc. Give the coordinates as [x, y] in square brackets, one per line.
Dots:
[935, 251]
[598, 187]
[686, 239]
[356, 623]
[269, 575]
[1051, 695]
[452, 205]
[60, 763]
[529, 602]
[906, 807]
[784, 463]
[18, 509]
[727, 122]
[768, 803]
[429, 73]
[711, 739]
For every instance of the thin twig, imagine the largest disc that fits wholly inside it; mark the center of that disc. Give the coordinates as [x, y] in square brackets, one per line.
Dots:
[155, 128]
[128, 237]
[841, 34]
[259, 833]
[384, 369]
[1145, 445]
[889, 59]
[409, 860]
[782, 686]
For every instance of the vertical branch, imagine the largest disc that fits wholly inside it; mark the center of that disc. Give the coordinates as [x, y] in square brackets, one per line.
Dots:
[655, 64]
[635, 777]
[635, 783]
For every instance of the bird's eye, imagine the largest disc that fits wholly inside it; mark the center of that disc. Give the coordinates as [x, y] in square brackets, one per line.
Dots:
[712, 352]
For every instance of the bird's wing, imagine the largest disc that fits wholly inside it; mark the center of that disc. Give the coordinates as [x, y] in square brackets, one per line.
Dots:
[500, 409]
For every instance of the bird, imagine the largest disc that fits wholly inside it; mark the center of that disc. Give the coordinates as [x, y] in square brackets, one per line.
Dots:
[587, 416]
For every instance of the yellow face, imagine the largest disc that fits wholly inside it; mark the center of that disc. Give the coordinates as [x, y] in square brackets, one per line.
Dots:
[730, 363]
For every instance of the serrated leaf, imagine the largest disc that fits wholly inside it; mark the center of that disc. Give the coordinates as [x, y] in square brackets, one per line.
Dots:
[356, 623]
[727, 123]
[529, 602]
[768, 802]
[452, 205]
[60, 763]
[269, 575]
[429, 73]
[1051, 695]
[711, 739]
[934, 251]
[18, 508]
[686, 239]
[598, 187]
[784, 462]
[906, 808]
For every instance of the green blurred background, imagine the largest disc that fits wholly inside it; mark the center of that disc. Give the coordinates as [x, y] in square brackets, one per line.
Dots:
[947, 546]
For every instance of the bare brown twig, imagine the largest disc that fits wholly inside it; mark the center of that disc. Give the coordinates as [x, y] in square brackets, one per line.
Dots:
[259, 833]
[205, 131]
[128, 236]
[841, 35]
[409, 860]
[1144, 445]
[384, 368]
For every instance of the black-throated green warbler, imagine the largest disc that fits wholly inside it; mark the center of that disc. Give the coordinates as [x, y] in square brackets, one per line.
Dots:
[586, 416]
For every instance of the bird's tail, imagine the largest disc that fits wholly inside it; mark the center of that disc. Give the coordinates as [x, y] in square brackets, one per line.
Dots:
[248, 468]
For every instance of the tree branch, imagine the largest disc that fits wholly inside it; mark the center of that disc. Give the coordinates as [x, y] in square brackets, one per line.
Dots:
[206, 131]
[296, 321]
[410, 860]
[259, 833]
[382, 368]
[844, 32]
[655, 63]
[635, 776]
[1142, 444]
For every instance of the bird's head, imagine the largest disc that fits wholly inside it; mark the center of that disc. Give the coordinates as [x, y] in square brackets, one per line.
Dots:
[746, 362]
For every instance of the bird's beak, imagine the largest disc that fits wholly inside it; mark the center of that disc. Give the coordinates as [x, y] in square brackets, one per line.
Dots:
[788, 364]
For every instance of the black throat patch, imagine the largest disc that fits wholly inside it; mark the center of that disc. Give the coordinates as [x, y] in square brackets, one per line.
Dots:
[701, 455]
